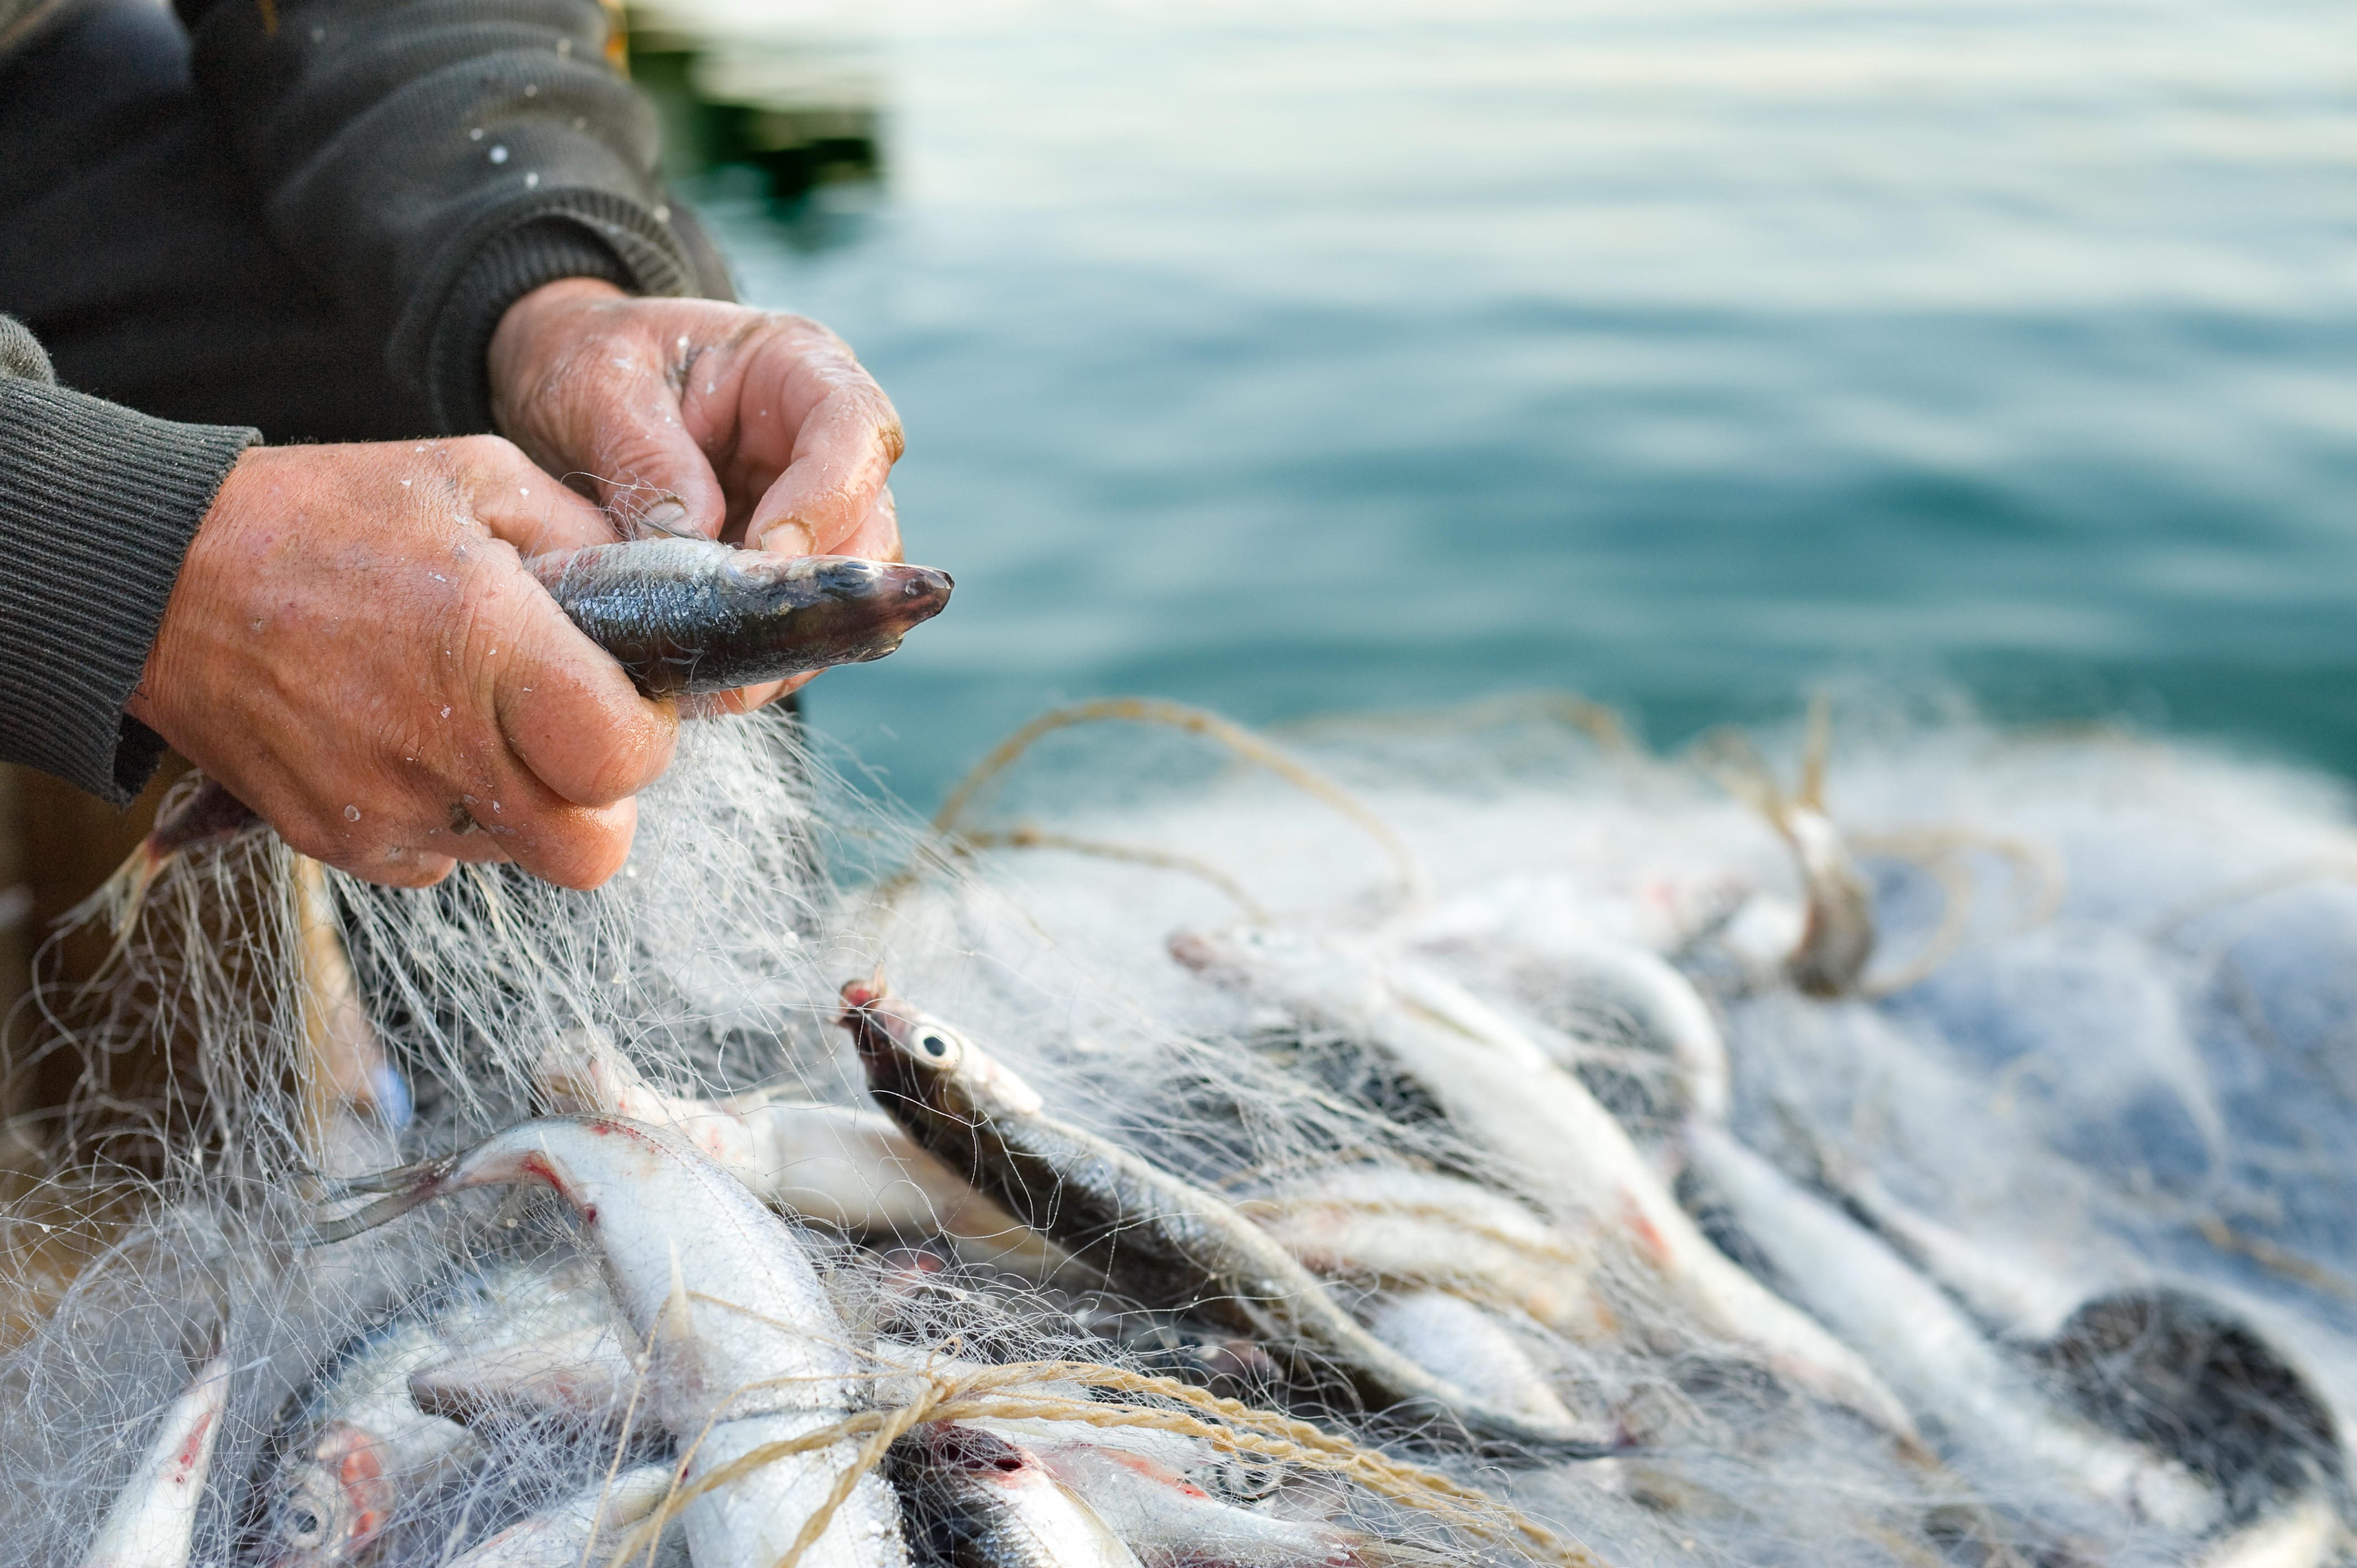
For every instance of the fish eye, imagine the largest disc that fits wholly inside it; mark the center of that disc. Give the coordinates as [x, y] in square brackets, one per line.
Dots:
[937, 1046]
[304, 1526]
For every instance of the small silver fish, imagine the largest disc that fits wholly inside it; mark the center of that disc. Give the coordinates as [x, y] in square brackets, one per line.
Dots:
[583, 1528]
[685, 615]
[1506, 1093]
[532, 1339]
[846, 1167]
[1837, 938]
[1171, 1522]
[1393, 1226]
[153, 1521]
[1166, 1242]
[364, 1451]
[1919, 1337]
[1472, 1350]
[977, 1500]
[746, 1346]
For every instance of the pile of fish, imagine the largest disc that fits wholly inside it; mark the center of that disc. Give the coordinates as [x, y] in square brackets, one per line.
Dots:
[1652, 1175]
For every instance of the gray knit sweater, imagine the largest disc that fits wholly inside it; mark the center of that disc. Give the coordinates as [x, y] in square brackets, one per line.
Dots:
[427, 163]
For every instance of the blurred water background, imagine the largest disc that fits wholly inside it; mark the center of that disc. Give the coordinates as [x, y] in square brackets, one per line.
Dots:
[1295, 355]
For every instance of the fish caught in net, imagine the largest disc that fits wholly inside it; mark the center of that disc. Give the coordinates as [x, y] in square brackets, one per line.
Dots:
[1415, 1139]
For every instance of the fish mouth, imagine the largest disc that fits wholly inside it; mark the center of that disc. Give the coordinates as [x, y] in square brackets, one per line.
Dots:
[887, 600]
[911, 596]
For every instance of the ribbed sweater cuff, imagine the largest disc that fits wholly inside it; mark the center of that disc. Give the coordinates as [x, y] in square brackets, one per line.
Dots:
[98, 504]
[592, 242]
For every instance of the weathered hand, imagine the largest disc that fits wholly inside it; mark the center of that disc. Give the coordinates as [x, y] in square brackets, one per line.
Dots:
[697, 416]
[354, 648]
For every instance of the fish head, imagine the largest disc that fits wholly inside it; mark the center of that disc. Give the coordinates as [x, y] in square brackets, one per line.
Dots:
[331, 1504]
[970, 1450]
[898, 597]
[910, 1055]
[855, 609]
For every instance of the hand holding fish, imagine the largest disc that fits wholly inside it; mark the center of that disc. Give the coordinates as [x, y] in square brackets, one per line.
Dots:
[354, 648]
[699, 417]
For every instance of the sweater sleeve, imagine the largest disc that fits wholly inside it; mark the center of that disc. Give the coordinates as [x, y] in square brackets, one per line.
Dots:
[429, 162]
[98, 504]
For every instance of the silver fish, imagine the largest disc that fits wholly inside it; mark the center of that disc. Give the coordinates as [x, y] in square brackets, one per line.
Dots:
[1398, 1227]
[1171, 1522]
[842, 1167]
[530, 1337]
[684, 616]
[1917, 1335]
[583, 1528]
[1506, 1094]
[1666, 1010]
[1471, 1349]
[2019, 1301]
[981, 1501]
[364, 1451]
[153, 1521]
[1163, 1239]
[746, 1347]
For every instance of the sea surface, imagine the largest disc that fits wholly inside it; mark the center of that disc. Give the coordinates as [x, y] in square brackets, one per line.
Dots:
[1298, 355]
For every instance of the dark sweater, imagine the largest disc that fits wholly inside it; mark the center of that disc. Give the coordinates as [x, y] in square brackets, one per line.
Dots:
[421, 163]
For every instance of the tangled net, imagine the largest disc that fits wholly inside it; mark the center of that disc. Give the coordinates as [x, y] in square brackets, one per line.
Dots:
[2099, 1050]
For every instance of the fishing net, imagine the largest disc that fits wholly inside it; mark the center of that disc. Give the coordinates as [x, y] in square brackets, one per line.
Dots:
[2091, 1085]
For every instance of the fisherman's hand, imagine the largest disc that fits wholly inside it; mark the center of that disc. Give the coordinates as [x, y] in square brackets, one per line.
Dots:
[355, 650]
[690, 415]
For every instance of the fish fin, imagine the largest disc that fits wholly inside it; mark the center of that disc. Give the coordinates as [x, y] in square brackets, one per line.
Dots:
[674, 1365]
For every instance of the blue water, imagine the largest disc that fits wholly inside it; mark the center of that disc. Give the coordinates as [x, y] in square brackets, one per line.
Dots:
[1287, 357]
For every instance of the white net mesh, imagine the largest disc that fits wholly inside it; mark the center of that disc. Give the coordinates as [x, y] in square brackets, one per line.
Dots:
[2085, 1117]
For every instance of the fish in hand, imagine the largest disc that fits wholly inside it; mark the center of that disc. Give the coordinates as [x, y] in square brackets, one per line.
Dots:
[689, 616]
[685, 616]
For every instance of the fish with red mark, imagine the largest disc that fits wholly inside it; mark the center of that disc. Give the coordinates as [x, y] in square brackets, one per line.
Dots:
[153, 1521]
[745, 1347]
[362, 1451]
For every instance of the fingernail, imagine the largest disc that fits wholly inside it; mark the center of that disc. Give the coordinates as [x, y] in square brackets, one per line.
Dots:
[789, 538]
[667, 517]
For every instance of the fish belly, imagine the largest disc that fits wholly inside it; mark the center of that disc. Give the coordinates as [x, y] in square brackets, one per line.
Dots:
[753, 1520]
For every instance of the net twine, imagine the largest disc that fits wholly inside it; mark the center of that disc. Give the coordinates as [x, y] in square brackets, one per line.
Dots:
[1237, 1429]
